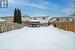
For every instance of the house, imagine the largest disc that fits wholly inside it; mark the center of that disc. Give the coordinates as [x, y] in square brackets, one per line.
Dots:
[2, 20]
[8, 18]
[42, 19]
[25, 18]
[65, 23]
[11, 18]
[60, 19]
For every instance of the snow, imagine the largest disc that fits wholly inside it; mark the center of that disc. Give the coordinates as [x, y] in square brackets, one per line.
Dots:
[34, 20]
[53, 19]
[38, 38]
[2, 20]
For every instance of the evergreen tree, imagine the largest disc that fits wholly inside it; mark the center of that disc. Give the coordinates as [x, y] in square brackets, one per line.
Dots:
[15, 11]
[17, 16]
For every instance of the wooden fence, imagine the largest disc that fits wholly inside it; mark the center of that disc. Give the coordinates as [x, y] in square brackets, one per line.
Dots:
[8, 26]
[69, 26]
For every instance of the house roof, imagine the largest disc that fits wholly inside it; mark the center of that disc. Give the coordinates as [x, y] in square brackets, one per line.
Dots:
[39, 16]
[60, 18]
[2, 20]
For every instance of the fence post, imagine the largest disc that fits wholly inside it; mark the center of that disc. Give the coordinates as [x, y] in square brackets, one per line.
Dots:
[74, 25]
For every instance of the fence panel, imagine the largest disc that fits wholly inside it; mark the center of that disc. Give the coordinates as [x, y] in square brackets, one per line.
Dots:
[69, 26]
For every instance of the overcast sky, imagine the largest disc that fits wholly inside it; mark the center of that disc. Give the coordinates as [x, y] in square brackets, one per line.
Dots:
[38, 7]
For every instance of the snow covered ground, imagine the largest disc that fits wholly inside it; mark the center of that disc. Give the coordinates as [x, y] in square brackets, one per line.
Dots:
[39, 38]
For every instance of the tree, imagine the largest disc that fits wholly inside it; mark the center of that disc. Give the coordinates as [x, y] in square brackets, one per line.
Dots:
[17, 16]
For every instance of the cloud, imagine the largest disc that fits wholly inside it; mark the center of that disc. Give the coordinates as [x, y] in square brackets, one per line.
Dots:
[39, 4]
[37, 7]
[40, 14]
[68, 10]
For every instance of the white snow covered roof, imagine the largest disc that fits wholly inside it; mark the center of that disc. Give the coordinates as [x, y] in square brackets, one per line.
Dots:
[35, 20]
[41, 38]
[39, 16]
[2, 20]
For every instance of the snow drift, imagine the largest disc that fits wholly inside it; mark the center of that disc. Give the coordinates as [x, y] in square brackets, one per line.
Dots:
[41, 38]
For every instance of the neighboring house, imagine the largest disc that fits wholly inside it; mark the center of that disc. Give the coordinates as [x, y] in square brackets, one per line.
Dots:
[60, 19]
[42, 19]
[11, 18]
[65, 23]
[2, 20]
[8, 18]
[25, 18]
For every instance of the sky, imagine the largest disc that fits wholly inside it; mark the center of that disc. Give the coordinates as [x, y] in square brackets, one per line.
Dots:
[51, 8]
